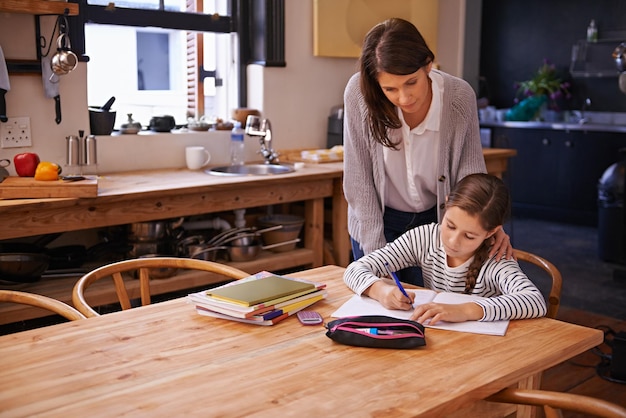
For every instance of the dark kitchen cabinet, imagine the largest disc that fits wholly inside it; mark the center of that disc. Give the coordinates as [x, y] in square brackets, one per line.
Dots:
[555, 173]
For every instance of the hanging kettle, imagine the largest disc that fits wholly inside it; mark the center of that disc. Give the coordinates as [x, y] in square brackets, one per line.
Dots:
[64, 60]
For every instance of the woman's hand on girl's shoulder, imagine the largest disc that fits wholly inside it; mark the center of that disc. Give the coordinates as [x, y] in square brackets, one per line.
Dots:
[501, 247]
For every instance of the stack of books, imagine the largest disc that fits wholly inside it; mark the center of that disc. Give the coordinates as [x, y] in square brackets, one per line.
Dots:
[262, 299]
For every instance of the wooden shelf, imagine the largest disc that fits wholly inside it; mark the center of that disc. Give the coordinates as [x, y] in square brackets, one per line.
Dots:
[38, 7]
[103, 292]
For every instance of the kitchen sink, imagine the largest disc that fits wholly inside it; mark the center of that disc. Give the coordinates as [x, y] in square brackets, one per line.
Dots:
[251, 170]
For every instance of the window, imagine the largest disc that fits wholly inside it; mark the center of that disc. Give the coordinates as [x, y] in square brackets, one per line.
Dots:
[173, 57]
[223, 35]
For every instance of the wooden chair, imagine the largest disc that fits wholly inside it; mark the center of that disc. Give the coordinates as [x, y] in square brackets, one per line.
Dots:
[41, 301]
[554, 402]
[143, 266]
[554, 298]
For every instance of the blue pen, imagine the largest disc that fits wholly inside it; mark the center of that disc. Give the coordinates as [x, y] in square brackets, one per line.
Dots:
[395, 278]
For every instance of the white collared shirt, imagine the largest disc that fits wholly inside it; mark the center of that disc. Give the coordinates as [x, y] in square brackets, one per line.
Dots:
[411, 171]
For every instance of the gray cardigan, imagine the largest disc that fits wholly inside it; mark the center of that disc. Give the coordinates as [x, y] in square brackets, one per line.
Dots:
[460, 154]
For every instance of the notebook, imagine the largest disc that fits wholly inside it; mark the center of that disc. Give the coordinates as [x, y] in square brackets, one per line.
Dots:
[249, 293]
[363, 305]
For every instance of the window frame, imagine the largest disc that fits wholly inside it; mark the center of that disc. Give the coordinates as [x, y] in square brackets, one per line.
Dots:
[260, 25]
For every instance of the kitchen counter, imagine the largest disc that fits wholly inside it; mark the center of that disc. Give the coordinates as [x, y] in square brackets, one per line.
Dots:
[138, 196]
[561, 126]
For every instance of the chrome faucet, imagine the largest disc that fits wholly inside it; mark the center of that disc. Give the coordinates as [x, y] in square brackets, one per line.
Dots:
[263, 130]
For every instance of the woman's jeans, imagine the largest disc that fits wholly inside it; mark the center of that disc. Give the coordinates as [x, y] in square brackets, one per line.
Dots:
[397, 223]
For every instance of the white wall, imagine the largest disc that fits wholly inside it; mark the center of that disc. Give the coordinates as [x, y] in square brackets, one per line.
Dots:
[297, 98]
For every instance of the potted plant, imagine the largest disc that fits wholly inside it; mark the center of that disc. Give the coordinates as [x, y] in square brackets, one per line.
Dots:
[541, 94]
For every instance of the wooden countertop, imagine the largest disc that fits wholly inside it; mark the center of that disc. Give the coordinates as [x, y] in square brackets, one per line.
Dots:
[139, 196]
[126, 186]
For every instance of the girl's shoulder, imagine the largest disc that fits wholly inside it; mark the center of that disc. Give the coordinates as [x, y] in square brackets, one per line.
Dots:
[426, 232]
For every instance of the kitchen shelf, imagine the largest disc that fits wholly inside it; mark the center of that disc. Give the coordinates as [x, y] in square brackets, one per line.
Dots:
[38, 7]
[594, 59]
[102, 292]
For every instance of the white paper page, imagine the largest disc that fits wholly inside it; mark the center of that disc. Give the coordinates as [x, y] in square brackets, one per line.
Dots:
[363, 305]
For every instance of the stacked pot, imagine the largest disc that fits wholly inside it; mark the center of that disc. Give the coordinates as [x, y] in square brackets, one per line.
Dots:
[151, 238]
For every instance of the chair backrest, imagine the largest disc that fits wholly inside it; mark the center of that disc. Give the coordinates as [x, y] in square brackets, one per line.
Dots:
[143, 266]
[554, 297]
[554, 402]
[41, 301]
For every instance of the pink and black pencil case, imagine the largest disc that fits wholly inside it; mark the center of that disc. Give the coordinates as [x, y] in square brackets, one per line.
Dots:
[376, 331]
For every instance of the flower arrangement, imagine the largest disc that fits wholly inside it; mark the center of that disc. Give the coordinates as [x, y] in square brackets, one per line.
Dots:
[545, 83]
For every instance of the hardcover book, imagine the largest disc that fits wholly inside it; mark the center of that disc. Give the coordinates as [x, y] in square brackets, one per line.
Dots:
[248, 293]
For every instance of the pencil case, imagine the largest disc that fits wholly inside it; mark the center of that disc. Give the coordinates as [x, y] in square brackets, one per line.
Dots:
[376, 331]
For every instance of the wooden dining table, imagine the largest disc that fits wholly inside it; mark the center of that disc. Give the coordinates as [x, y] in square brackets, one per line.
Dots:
[167, 360]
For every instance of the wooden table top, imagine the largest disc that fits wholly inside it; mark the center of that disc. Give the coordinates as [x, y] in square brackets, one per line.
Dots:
[166, 360]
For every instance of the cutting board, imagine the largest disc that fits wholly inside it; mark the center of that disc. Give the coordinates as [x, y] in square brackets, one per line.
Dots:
[14, 187]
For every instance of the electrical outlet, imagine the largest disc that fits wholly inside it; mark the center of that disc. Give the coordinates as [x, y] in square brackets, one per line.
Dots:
[15, 133]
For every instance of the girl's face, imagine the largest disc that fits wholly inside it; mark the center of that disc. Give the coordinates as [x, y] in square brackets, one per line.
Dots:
[461, 235]
[408, 92]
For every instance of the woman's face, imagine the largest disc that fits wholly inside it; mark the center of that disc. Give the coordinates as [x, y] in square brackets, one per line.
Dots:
[461, 235]
[409, 92]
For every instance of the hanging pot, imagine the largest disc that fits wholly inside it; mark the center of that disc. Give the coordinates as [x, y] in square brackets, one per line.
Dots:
[250, 252]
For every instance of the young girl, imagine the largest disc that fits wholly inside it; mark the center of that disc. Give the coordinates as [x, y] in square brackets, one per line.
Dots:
[454, 257]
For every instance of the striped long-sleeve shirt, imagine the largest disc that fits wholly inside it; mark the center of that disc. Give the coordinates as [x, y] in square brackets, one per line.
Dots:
[510, 293]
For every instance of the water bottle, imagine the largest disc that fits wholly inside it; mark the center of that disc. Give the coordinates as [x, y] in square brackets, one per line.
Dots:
[236, 145]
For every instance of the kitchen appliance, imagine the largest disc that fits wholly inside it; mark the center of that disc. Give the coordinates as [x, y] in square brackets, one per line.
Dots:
[4, 87]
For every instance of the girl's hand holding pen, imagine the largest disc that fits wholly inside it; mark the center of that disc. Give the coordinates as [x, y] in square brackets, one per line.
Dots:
[390, 296]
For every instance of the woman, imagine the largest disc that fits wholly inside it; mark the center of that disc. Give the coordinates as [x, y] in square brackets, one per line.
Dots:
[454, 257]
[410, 134]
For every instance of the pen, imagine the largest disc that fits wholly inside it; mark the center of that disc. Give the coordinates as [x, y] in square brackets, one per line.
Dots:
[395, 278]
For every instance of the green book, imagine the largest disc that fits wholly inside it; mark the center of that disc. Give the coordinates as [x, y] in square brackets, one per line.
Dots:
[253, 292]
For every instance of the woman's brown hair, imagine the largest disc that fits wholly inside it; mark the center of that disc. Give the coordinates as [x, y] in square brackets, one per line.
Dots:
[394, 46]
[487, 197]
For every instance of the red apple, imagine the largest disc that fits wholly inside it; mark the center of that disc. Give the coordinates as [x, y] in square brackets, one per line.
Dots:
[26, 164]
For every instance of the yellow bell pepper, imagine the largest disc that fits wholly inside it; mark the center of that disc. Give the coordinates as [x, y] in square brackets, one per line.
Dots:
[47, 171]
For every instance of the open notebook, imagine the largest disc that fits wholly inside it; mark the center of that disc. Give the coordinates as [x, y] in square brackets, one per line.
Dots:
[363, 305]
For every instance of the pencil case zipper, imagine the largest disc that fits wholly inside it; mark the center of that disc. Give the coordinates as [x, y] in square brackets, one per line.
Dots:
[397, 329]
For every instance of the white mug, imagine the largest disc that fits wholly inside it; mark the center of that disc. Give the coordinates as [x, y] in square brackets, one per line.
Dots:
[196, 157]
